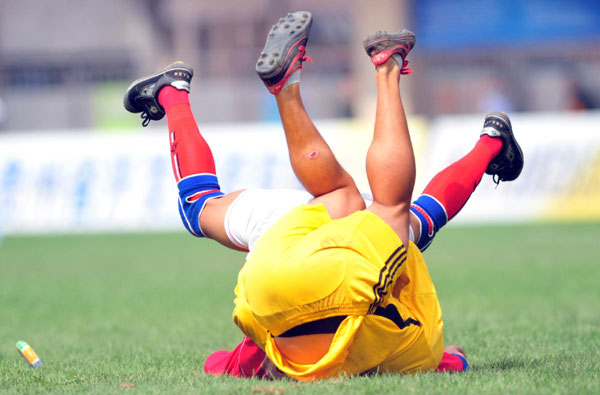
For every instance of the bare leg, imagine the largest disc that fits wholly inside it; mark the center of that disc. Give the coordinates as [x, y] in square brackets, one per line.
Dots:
[313, 161]
[212, 219]
[390, 159]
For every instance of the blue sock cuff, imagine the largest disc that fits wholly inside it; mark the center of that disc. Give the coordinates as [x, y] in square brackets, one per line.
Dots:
[434, 208]
[194, 192]
[464, 362]
[432, 216]
[191, 185]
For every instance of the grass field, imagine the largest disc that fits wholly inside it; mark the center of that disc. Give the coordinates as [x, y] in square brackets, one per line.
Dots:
[140, 313]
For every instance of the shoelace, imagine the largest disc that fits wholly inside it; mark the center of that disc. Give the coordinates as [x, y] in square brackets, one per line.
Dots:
[305, 57]
[404, 69]
[496, 179]
[145, 118]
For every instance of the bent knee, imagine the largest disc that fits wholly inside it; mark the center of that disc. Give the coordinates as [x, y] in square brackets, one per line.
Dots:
[194, 192]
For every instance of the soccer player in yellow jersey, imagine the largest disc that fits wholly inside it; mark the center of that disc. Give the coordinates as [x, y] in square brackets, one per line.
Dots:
[331, 287]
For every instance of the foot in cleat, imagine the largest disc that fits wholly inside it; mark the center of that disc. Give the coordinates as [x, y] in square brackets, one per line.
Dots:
[382, 45]
[285, 50]
[507, 165]
[142, 94]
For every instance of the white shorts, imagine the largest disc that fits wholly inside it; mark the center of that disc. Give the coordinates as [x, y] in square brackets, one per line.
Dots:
[255, 210]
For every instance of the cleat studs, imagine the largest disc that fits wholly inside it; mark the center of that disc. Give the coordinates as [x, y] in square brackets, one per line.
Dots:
[291, 19]
[271, 34]
[263, 55]
[271, 61]
[286, 25]
[260, 63]
[305, 15]
[302, 20]
[281, 20]
[291, 32]
[298, 26]
[275, 54]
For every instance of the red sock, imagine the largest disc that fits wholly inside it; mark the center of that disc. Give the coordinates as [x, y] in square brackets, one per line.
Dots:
[453, 186]
[244, 361]
[190, 154]
[452, 363]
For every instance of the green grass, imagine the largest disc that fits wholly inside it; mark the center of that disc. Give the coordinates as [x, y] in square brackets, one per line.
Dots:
[140, 313]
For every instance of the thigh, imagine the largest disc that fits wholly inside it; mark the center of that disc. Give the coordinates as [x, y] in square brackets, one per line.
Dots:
[397, 217]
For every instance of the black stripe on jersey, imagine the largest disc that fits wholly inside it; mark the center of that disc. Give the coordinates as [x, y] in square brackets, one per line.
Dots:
[393, 268]
[377, 288]
[383, 269]
[393, 271]
[391, 312]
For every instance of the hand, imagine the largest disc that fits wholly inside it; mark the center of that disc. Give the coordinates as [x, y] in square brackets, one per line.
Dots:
[454, 349]
[271, 370]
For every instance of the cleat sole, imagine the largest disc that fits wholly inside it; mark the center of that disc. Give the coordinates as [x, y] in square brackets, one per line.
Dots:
[285, 35]
[381, 45]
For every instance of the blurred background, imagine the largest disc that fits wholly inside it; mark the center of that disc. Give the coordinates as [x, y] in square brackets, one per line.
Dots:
[67, 61]
[71, 158]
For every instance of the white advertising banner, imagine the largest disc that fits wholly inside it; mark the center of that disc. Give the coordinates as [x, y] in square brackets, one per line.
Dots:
[69, 182]
[560, 179]
[84, 181]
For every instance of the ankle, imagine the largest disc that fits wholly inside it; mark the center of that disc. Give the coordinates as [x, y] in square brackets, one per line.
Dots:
[389, 69]
[493, 143]
[170, 96]
[289, 92]
[294, 79]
